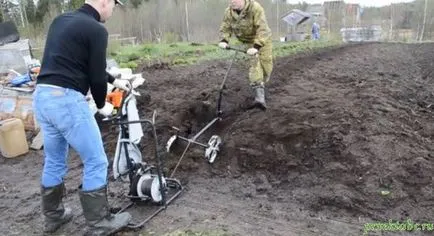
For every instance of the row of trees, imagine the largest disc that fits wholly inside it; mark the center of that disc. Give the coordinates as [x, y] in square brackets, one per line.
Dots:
[144, 19]
[199, 20]
[413, 20]
[26, 12]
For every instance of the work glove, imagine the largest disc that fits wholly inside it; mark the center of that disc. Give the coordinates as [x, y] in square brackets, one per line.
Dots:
[223, 45]
[252, 51]
[106, 110]
[122, 84]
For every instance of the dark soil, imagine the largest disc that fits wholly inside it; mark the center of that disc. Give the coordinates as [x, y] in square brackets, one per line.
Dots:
[347, 139]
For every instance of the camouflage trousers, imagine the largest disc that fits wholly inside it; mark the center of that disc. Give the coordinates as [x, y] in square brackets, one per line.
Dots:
[261, 65]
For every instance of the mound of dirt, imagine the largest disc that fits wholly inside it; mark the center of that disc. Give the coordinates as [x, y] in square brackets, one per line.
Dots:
[347, 139]
[343, 126]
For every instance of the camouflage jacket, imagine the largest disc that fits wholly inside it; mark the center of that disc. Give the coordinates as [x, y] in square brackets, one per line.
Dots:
[250, 26]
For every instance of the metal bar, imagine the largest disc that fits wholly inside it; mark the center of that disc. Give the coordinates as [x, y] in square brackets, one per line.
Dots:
[159, 167]
[124, 208]
[134, 226]
[134, 122]
[192, 141]
[219, 102]
[236, 49]
[180, 159]
[127, 155]
[124, 140]
[205, 128]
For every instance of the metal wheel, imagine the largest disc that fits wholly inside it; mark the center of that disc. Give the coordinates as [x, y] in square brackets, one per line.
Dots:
[171, 142]
[148, 187]
[213, 148]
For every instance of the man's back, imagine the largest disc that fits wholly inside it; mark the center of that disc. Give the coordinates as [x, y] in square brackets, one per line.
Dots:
[75, 42]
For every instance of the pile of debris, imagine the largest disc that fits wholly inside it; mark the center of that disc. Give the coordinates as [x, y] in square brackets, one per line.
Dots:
[18, 72]
[18, 68]
[14, 80]
[18, 75]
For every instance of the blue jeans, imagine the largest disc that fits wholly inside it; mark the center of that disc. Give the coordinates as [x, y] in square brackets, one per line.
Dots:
[65, 119]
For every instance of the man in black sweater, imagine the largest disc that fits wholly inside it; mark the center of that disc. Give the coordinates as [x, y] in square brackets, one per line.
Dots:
[74, 61]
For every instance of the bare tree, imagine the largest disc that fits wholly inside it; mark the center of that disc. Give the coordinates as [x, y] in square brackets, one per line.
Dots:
[199, 20]
[186, 21]
[424, 20]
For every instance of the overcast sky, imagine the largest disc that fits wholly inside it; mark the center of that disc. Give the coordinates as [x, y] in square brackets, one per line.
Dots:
[361, 2]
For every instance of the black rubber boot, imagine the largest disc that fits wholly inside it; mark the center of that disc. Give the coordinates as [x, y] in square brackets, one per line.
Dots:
[97, 213]
[52, 207]
[260, 96]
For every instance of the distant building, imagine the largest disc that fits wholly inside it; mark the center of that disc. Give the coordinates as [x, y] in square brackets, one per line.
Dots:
[352, 15]
[333, 15]
[318, 14]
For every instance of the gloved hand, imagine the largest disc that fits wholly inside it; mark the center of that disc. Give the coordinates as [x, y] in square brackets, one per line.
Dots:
[122, 84]
[252, 51]
[106, 110]
[223, 45]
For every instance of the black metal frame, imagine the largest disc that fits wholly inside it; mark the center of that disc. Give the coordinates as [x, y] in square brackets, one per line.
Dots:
[120, 120]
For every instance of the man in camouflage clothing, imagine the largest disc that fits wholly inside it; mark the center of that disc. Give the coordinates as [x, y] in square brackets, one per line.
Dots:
[246, 20]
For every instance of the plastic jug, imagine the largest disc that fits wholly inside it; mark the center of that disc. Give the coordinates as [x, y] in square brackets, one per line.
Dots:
[13, 141]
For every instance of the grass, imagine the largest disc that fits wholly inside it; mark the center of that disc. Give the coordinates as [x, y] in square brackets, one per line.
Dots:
[174, 54]
[191, 53]
[178, 54]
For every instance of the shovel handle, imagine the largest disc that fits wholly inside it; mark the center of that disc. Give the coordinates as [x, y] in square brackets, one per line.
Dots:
[236, 49]
[239, 50]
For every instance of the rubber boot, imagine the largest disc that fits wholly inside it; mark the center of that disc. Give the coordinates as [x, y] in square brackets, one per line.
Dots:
[260, 96]
[97, 213]
[52, 207]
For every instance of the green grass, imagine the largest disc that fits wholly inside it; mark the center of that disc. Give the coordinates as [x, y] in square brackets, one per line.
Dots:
[178, 54]
[190, 53]
[290, 48]
[174, 54]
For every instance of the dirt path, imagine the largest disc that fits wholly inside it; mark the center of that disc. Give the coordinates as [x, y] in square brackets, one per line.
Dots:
[342, 126]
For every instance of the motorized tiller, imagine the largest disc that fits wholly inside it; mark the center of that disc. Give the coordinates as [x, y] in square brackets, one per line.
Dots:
[147, 183]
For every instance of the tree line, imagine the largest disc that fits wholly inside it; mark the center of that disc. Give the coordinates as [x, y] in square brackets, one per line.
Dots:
[199, 20]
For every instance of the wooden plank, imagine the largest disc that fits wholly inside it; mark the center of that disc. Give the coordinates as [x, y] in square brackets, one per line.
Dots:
[114, 35]
[38, 141]
[29, 90]
[131, 39]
